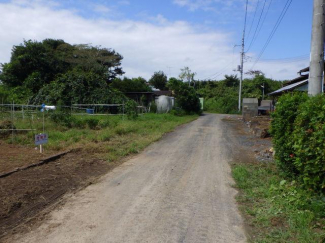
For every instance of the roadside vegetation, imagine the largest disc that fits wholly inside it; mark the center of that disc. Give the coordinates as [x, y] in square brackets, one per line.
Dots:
[278, 209]
[75, 80]
[56, 73]
[108, 137]
[222, 96]
[298, 130]
[284, 200]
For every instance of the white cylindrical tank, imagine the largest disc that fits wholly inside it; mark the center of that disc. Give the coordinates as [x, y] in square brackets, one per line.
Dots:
[173, 101]
[164, 104]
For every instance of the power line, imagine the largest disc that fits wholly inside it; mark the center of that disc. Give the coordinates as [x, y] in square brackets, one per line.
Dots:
[256, 29]
[217, 74]
[250, 28]
[221, 70]
[267, 11]
[277, 24]
[288, 59]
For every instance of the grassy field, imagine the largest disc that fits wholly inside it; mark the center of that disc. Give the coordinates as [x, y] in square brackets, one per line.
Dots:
[97, 145]
[278, 210]
[107, 137]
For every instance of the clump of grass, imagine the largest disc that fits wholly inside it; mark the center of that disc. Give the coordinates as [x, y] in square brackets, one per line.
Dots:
[109, 137]
[278, 210]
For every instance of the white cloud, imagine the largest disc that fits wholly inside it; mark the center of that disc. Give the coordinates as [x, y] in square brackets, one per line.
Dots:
[101, 9]
[193, 5]
[222, 7]
[146, 47]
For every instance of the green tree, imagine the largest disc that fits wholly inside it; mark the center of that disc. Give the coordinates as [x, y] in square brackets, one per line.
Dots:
[187, 75]
[186, 97]
[78, 87]
[103, 61]
[35, 59]
[34, 65]
[159, 80]
[222, 96]
[130, 85]
[231, 81]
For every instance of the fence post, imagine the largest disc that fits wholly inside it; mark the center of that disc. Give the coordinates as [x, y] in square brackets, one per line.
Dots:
[12, 121]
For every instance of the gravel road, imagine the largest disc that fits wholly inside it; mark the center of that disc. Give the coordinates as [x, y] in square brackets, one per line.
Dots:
[177, 190]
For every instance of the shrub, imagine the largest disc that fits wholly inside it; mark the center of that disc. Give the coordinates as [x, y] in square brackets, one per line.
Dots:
[309, 147]
[178, 112]
[186, 97]
[153, 107]
[5, 127]
[63, 118]
[104, 123]
[282, 129]
[223, 105]
[298, 130]
[92, 123]
[131, 109]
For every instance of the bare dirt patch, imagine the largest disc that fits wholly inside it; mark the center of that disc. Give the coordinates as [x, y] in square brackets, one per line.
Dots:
[251, 147]
[260, 126]
[26, 193]
[15, 156]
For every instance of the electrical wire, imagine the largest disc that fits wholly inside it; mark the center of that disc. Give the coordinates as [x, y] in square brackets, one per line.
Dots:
[250, 28]
[288, 59]
[267, 11]
[277, 24]
[257, 27]
[221, 71]
[225, 66]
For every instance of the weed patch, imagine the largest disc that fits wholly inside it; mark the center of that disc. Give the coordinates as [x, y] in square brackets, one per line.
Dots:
[106, 137]
[278, 210]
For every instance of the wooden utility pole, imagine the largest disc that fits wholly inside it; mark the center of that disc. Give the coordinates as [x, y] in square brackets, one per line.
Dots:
[317, 49]
[242, 55]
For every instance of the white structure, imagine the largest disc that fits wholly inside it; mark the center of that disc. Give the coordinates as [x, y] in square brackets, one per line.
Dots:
[164, 103]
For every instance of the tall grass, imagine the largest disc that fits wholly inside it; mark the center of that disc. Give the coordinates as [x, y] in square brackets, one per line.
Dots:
[107, 137]
[278, 210]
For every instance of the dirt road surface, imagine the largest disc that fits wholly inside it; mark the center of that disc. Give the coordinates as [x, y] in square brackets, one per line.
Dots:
[177, 190]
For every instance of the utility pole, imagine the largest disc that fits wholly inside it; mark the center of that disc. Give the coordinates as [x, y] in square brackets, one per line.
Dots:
[169, 68]
[242, 54]
[317, 50]
[263, 86]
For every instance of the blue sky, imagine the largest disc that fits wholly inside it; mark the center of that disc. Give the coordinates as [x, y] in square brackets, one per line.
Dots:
[168, 35]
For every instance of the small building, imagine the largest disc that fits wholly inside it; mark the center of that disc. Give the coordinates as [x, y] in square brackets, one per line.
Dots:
[298, 84]
[250, 108]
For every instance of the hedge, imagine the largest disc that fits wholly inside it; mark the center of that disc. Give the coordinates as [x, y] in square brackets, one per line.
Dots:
[298, 129]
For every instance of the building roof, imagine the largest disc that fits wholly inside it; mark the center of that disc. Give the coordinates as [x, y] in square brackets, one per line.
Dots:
[304, 70]
[298, 79]
[289, 87]
[163, 92]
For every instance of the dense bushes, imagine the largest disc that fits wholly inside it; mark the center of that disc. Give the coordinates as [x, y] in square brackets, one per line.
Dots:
[298, 128]
[222, 96]
[282, 130]
[185, 96]
[65, 119]
[54, 70]
[309, 137]
[131, 109]
[222, 105]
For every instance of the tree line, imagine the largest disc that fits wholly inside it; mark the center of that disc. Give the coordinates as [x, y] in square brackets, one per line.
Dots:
[55, 72]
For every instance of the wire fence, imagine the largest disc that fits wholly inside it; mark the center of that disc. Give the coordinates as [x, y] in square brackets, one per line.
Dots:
[22, 118]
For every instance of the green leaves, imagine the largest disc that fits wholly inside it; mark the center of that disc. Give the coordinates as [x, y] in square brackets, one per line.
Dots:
[159, 80]
[298, 131]
[186, 97]
[50, 64]
[282, 128]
